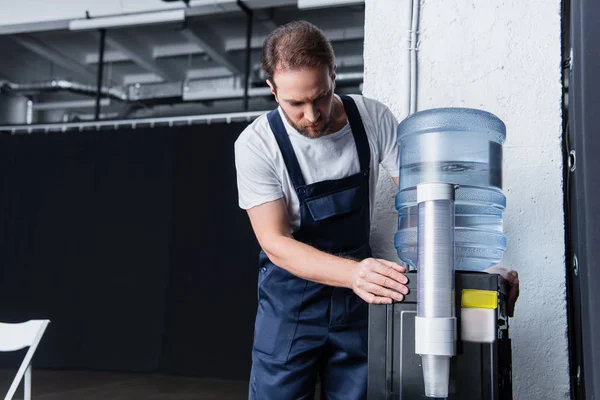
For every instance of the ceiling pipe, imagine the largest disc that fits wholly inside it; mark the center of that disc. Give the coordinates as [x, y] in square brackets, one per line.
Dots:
[196, 90]
[69, 86]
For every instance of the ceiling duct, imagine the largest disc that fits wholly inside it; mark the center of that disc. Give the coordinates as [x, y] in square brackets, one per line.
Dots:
[214, 89]
[158, 92]
[13, 109]
[211, 89]
[58, 85]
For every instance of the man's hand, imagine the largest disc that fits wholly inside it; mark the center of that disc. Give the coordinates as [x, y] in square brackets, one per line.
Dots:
[379, 281]
[512, 278]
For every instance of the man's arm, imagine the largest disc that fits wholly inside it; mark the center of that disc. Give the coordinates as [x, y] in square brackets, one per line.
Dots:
[396, 180]
[374, 280]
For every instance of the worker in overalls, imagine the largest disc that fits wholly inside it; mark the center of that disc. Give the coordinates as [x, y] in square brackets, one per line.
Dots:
[306, 175]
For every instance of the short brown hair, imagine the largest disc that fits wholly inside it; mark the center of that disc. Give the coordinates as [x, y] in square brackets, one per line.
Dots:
[296, 45]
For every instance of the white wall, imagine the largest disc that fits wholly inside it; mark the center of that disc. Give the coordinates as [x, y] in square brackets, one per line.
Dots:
[503, 57]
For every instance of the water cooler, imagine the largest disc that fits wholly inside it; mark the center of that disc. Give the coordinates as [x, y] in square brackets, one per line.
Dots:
[449, 338]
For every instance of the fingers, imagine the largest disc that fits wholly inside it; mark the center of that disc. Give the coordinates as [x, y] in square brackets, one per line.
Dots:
[371, 298]
[381, 291]
[393, 281]
[387, 263]
[378, 279]
[512, 276]
[513, 295]
[390, 271]
[382, 275]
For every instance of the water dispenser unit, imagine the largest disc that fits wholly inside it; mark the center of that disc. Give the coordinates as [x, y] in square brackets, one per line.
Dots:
[449, 337]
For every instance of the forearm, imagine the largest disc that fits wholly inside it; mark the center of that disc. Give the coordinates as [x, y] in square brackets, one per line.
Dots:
[308, 263]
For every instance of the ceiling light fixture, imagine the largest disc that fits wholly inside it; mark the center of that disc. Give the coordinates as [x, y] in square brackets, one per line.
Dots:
[127, 20]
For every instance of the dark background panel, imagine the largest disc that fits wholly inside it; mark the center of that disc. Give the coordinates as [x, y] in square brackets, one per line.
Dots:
[213, 261]
[132, 243]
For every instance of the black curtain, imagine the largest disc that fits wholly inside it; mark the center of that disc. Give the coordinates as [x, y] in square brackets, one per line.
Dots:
[131, 242]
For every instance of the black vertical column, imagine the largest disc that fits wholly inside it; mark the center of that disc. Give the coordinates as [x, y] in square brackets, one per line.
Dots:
[249, 17]
[100, 72]
[583, 199]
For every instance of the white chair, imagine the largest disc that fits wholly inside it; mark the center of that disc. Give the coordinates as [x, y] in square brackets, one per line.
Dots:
[15, 337]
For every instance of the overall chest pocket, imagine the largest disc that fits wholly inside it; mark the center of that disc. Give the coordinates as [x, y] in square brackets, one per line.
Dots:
[338, 203]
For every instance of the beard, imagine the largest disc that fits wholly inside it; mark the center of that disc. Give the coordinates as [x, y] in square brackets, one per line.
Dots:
[312, 131]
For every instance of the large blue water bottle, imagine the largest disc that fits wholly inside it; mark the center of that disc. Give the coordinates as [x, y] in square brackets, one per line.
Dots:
[461, 146]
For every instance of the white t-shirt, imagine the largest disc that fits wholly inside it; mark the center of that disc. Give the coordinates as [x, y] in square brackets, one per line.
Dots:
[263, 177]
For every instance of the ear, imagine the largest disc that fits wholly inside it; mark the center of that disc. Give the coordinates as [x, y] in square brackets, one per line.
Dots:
[273, 91]
[333, 75]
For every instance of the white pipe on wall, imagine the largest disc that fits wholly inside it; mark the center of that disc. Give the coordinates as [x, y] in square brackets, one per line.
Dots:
[412, 55]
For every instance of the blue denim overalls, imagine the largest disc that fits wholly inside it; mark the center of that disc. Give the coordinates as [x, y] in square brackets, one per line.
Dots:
[304, 329]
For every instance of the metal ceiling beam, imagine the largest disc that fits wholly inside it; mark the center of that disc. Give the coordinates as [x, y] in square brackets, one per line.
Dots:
[213, 45]
[257, 4]
[127, 20]
[207, 7]
[49, 53]
[308, 4]
[177, 50]
[64, 105]
[265, 17]
[204, 73]
[349, 61]
[345, 34]
[147, 77]
[239, 44]
[110, 56]
[29, 27]
[115, 124]
[159, 51]
[235, 44]
[334, 35]
[197, 7]
[269, 24]
[141, 54]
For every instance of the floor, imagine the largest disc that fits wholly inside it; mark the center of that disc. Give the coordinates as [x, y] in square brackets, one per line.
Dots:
[94, 385]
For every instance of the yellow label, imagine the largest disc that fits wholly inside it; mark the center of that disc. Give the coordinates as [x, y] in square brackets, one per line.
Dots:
[472, 298]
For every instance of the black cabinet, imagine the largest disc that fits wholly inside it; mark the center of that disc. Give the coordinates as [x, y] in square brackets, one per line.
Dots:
[479, 371]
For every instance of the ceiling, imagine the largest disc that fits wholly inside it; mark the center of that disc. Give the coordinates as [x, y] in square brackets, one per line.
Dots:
[187, 67]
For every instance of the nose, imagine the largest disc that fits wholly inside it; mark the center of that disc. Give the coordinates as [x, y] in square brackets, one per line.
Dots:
[312, 114]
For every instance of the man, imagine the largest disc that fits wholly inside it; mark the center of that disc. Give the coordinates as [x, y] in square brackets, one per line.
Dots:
[306, 175]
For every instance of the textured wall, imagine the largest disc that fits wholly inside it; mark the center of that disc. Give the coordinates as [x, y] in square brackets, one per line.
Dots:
[503, 57]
